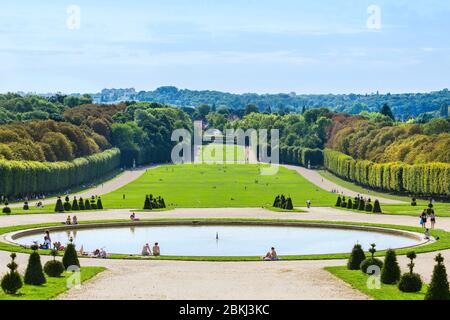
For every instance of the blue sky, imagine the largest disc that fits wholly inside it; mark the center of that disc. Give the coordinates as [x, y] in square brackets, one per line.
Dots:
[229, 45]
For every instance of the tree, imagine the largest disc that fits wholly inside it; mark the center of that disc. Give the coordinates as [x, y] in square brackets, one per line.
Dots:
[99, 203]
[251, 108]
[11, 282]
[356, 257]
[75, 206]
[147, 203]
[444, 111]
[410, 282]
[338, 202]
[349, 204]
[70, 257]
[87, 204]
[34, 274]
[372, 261]
[377, 207]
[386, 110]
[391, 271]
[439, 287]
[289, 205]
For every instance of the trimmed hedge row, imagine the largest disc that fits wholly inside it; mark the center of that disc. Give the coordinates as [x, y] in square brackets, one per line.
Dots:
[301, 156]
[24, 177]
[423, 179]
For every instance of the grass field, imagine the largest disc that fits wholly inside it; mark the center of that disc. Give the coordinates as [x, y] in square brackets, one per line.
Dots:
[214, 185]
[223, 153]
[51, 289]
[358, 280]
[441, 209]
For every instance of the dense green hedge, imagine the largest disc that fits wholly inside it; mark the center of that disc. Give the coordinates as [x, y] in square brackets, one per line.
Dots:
[422, 179]
[24, 177]
[301, 156]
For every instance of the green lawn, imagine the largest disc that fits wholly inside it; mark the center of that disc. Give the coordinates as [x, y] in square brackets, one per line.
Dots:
[214, 185]
[358, 280]
[441, 209]
[48, 209]
[220, 153]
[51, 289]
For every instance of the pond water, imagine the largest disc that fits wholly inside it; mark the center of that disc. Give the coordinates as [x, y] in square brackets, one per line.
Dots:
[240, 240]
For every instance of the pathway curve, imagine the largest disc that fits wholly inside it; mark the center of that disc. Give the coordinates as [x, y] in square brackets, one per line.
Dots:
[314, 177]
[128, 279]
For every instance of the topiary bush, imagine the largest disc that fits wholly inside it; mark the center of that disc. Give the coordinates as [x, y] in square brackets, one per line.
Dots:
[350, 204]
[372, 261]
[75, 206]
[54, 268]
[67, 206]
[26, 206]
[356, 257]
[81, 204]
[34, 274]
[99, 204]
[410, 282]
[87, 205]
[289, 205]
[6, 210]
[70, 257]
[414, 202]
[376, 207]
[439, 288]
[391, 271]
[338, 201]
[362, 205]
[369, 207]
[12, 282]
[356, 203]
[59, 207]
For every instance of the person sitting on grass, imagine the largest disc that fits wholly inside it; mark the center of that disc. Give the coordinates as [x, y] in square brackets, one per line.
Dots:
[96, 253]
[68, 221]
[75, 220]
[133, 217]
[273, 254]
[427, 234]
[156, 251]
[146, 250]
[103, 254]
[267, 257]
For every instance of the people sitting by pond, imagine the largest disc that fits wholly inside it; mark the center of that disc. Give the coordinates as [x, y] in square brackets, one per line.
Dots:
[146, 250]
[103, 253]
[96, 253]
[133, 217]
[74, 220]
[156, 250]
[267, 257]
[68, 221]
[271, 255]
[39, 205]
[47, 241]
[427, 234]
[58, 246]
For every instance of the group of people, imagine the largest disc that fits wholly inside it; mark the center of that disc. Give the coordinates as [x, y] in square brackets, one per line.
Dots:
[271, 255]
[73, 221]
[155, 251]
[425, 215]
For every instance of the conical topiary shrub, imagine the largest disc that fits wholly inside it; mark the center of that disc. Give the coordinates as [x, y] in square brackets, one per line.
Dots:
[26, 206]
[6, 210]
[338, 201]
[147, 203]
[67, 205]
[372, 261]
[410, 282]
[289, 205]
[75, 206]
[12, 282]
[54, 268]
[356, 257]
[87, 205]
[356, 203]
[34, 274]
[81, 204]
[59, 207]
[439, 288]
[70, 257]
[99, 204]
[391, 271]
[350, 204]
[376, 207]
[362, 205]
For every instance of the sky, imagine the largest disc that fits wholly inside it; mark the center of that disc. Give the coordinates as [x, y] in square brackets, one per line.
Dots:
[262, 46]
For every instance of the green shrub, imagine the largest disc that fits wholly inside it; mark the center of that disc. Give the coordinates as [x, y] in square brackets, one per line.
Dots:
[289, 205]
[81, 204]
[54, 268]
[369, 207]
[350, 204]
[75, 206]
[356, 257]
[11, 282]
[148, 206]
[356, 203]
[87, 205]
[339, 201]
[414, 202]
[67, 206]
[439, 288]
[372, 261]
[410, 282]
[362, 205]
[70, 257]
[99, 204]
[6, 210]
[34, 274]
[59, 207]
[391, 271]
[26, 206]
[377, 207]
